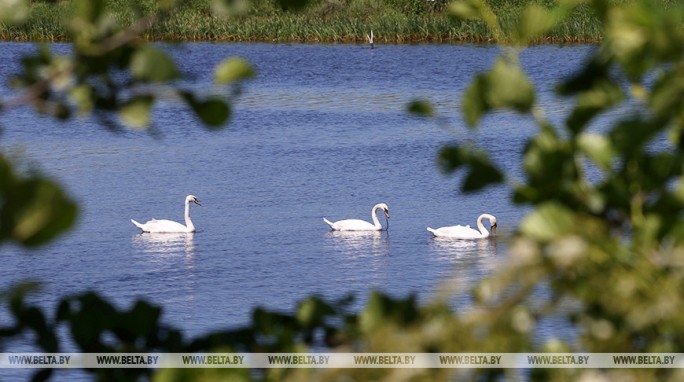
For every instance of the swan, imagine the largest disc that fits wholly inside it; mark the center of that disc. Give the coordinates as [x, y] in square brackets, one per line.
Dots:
[360, 225]
[168, 226]
[461, 232]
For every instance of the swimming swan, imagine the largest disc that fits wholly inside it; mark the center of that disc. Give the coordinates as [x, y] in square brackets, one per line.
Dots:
[360, 225]
[461, 232]
[168, 226]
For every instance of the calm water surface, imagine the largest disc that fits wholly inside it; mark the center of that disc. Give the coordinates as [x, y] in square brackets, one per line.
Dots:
[322, 132]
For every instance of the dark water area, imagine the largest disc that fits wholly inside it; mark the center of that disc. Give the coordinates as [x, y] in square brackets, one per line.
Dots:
[322, 132]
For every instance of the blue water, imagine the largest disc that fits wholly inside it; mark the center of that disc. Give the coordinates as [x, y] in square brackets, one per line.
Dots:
[322, 132]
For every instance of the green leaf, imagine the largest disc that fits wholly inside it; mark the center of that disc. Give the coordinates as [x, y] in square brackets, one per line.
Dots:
[505, 86]
[421, 108]
[598, 148]
[141, 320]
[591, 102]
[153, 65]
[466, 9]
[534, 22]
[312, 311]
[228, 8]
[629, 136]
[667, 98]
[136, 113]
[537, 21]
[474, 103]
[82, 96]
[213, 112]
[509, 87]
[233, 69]
[548, 222]
[593, 72]
[480, 171]
[13, 11]
[90, 10]
[34, 209]
[382, 310]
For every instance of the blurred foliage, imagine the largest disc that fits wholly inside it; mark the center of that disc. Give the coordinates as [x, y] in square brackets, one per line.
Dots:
[115, 74]
[110, 73]
[603, 240]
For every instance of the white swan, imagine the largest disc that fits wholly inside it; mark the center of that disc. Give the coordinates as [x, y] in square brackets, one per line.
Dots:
[168, 226]
[461, 232]
[360, 225]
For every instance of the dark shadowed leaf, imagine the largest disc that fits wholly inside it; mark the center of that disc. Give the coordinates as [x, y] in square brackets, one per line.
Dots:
[593, 72]
[480, 172]
[474, 103]
[213, 112]
[89, 10]
[591, 102]
[313, 311]
[34, 209]
[292, 5]
[421, 108]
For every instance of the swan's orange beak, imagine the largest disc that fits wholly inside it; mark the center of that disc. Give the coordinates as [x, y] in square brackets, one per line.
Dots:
[197, 202]
[493, 228]
[386, 214]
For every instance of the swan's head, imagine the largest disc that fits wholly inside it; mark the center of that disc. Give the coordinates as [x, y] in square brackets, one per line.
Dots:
[384, 208]
[192, 198]
[492, 222]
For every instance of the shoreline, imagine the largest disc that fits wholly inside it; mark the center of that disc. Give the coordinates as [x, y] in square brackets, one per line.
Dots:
[403, 40]
[317, 24]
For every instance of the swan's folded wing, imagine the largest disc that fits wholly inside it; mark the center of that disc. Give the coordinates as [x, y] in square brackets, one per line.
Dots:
[155, 225]
[353, 225]
[457, 231]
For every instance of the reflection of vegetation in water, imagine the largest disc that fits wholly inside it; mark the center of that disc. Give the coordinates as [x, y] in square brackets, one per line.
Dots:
[612, 248]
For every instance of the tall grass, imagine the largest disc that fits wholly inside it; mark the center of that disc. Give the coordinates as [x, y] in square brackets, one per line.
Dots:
[392, 21]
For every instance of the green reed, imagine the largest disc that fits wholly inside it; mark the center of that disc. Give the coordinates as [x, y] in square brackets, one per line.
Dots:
[392, 21]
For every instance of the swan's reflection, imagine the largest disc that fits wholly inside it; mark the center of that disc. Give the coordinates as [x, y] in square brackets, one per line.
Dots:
[359, 243]
[471, 261]
[166, 244]
[449, 249]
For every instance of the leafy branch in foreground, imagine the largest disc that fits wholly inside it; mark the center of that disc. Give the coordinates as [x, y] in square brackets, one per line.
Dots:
[111, 71]
[601, 250]
[604, 238]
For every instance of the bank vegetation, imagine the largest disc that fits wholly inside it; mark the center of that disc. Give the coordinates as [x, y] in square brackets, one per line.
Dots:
[336, 21]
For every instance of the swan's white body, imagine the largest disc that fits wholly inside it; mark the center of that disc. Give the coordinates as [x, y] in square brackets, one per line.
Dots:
[465, 232]
[169, 226]
[360, 225]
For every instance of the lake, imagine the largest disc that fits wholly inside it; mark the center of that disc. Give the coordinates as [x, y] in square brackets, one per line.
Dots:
[322, 132]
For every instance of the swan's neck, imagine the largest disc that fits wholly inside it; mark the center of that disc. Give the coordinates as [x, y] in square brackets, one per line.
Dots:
[481, 226]
[374, 216]
[188, 221]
